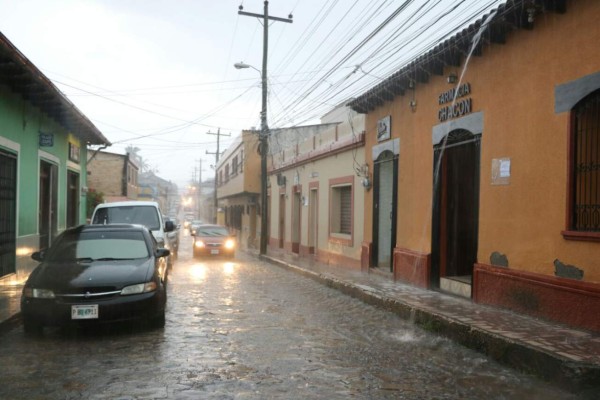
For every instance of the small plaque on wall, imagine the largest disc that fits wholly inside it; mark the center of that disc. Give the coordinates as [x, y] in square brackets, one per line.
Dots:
[500, 171]
[384, 128]
[74, 153]
[46, 139]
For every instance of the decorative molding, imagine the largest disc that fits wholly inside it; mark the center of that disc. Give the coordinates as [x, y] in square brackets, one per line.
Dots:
[472, 123]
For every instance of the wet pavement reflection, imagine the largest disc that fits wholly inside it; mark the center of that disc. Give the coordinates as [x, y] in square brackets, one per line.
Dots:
[244, 329]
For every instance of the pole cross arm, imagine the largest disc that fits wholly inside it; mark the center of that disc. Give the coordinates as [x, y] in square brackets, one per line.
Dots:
[248, 14]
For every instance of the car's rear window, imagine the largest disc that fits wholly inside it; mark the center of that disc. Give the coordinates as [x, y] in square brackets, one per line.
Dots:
[99, 245]
[142, 215]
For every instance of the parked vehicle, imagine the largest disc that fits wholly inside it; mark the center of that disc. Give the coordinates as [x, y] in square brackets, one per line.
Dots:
[97, 273]
[188, 218]
[213, 240]
[194, 226]
[145, 213]
[173, 236]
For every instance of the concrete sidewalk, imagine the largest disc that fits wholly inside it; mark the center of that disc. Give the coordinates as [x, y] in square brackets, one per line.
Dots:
[10, 307]
[567, 357]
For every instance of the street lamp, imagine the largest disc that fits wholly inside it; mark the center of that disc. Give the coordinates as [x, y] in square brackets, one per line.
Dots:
[263, 148]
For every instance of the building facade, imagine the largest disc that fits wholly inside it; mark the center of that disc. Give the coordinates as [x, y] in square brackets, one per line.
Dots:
[316, 192]
[238, 189]
[114, 175]
[43, 153]
[492, 183]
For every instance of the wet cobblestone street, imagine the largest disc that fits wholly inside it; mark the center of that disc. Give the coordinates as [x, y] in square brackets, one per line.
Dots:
[245, 329]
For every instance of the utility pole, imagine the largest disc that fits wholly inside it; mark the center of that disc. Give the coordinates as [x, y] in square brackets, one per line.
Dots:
[217, 154]
[264, 128]
[199, 209]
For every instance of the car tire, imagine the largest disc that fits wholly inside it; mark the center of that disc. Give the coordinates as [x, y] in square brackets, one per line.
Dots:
[31, 327]
[159, 321]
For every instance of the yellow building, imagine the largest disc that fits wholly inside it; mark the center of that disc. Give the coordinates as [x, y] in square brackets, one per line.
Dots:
[489, 187]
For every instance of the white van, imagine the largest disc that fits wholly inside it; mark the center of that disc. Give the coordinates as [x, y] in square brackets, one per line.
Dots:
[145, 213]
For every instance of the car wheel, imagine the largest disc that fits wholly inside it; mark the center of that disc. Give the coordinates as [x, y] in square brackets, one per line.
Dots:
[32, 327]
[159, 321]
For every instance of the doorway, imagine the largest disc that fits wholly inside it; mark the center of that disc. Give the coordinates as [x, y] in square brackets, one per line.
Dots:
[384, 210]
[8, 213]
[296, 218]
[313, 226]
[48, 218]
[281, 220]
[72, 199]
[455, 212]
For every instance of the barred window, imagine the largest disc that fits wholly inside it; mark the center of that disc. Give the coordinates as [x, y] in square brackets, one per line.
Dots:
[341, 209]
[585, 165]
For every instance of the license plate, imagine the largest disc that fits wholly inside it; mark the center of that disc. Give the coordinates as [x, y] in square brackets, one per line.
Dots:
[214, 252]
[84, 312]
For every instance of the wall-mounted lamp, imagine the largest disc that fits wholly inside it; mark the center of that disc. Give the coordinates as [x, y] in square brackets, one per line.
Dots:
[452, 78]
[413, 105]
[366, 182]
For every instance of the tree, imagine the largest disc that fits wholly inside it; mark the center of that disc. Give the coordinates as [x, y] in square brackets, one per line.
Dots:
[93, 199]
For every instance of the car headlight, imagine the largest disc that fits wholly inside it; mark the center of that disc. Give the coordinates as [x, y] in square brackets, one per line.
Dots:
[229, 244]
[199, 243]
[139, 288]
[38, 293]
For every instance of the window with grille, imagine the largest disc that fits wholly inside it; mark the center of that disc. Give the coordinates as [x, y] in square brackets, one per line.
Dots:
[341, 209]
[585, 165]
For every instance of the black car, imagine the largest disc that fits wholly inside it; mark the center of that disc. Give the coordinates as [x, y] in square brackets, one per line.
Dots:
[97, 273]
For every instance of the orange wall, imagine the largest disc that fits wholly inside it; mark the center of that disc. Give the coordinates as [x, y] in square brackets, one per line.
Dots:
[513, 85]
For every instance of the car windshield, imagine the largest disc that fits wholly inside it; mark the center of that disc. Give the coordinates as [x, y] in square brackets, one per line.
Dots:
[142, 215]
[105, 245]
[212, 231]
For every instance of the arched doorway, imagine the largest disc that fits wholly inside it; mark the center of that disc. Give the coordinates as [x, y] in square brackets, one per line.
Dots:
[455, 221]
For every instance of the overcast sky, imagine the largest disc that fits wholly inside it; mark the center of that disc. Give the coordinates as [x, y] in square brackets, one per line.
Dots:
[158, 74]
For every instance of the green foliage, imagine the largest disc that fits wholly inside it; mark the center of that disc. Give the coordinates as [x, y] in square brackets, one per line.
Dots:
[93, 199]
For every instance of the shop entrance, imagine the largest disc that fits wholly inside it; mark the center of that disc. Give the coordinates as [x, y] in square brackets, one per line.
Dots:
[455, 212]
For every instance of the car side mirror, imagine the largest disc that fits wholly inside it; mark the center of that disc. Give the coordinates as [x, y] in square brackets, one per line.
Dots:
[38, 255]
[169, 226]
[162, 252]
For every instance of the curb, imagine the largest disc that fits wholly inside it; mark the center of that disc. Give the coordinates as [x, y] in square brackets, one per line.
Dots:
[567, 374]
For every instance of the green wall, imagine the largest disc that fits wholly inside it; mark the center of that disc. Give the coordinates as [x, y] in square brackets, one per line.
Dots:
[20, 122]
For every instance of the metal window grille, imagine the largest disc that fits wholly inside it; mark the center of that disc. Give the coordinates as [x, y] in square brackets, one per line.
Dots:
[346, 210]
[586, 165]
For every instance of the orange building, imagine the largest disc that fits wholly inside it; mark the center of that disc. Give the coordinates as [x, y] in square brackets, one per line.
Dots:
[493, 182]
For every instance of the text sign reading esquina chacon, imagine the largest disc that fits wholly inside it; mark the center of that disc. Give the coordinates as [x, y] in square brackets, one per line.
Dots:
[459, 107]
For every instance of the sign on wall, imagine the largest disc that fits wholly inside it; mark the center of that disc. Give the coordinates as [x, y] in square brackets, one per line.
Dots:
[74, 152]
[384, 128]
[501, 171]
[46, 139]
[459, 106]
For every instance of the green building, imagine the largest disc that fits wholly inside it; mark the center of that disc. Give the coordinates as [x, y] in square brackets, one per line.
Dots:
[43, 153]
